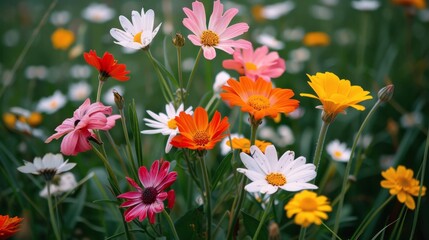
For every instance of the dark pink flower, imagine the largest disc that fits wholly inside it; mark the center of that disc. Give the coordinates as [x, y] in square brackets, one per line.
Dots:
[79, 128]
[149, 200]
[256, 64]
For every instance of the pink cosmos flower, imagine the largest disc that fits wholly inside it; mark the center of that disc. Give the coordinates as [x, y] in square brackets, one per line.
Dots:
[256, 64]
[79, 128]
[147, 201]
[217, 34]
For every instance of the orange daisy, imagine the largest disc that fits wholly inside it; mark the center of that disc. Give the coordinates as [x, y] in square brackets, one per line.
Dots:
[9, 226]
[197, 133]
[107, 66]
[258, 98]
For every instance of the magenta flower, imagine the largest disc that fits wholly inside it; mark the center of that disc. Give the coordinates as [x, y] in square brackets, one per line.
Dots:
[256, 64]
[217, 34]
[147, 201]
[79, 128]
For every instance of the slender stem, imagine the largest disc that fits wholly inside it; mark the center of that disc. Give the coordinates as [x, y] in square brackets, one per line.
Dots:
[302, 233]
[161, 78]
[100, 86]
[238, 202]
[264, 216]
[328, 174]
[204, 173]
[348, 167]
[254, 127]
[118, 155]
[211, 101]
[320, 143]
[193, 70]
[51, 212]
[127, 140]
[171, 224]
[108, 168]
[179, 73]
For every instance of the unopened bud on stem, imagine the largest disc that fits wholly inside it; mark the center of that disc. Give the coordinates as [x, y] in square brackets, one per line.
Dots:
[178, 40]
[386, 93]
[119, 100]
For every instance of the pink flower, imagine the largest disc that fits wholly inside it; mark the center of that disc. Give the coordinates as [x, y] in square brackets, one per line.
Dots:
[255, 64]
[79, 128]
[147, 201]
[217, 34]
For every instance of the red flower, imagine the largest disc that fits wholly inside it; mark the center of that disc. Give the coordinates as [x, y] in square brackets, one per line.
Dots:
[9, 226]
[107, 66]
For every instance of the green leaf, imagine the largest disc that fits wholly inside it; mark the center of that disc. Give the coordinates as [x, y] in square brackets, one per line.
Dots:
[251, 224]
[136, 132]
[75, 209]
[170, 76]
[190, 225]
[224, 166]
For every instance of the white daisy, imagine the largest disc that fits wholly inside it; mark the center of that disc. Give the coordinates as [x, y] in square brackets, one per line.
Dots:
[338, 151]
[52, 103]
[268, 173]
[60, 18]
[164, 123]
[79, 91]
[269, 41]
[98, 13]
[36, 72]
[281, 137]
[50, 165]
[221, 78]
[366, 5]
[276, 10]
[78, 71]
[139, 33]
[60, 184]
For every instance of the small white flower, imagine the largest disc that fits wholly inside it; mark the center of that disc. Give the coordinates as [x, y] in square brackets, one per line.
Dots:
[98, 13]
[321, 12]
[164, 123]
[225, 148]
[410, 120]
[50, 165]
[221, 78]
[338, 151]
[270, 41]
[79, 91]
[36, 72]
[139, 33]
[108, 97]
[11, 37]
[268, 173]
[294, 34]
[188, 64]
[52, 104]
[366, 5]
[63, 184]
[281, 137]
[301, 54]
[60, 18]
[276, 10]
[80, 71]
[297, 113]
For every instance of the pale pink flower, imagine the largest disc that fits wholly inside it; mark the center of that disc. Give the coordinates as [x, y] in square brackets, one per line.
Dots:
[217, 34]
[256, 64]
[149, 200]
[79, 128]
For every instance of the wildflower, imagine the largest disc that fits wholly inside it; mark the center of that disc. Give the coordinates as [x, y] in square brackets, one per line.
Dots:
[269, 41]
[409, 120]
[47, 166]
[217, 34]
[259, 98]
[165, 123]
[9, 226]
[79, 128]
[386, 93]
[60, 18]
[62, 38]
[243, 144]
[80, 71]
[321, 12]
[366, 5]
[107, 66]
[226, 148]
[256, 64]
[336, 95]
[149, 200]
[197, 133]
[178, 40]
[308, 207]
[138, 34]
[338, 151]
[108, 96]
[268, 173]
[23, 115]
[36, 72]
[52, 103]
[221, 78]
[61, 183]
[313, 39]
[401, 183]
[79, 91]
[273, 11]
[419, 4]
[282, 136]
[98, 13]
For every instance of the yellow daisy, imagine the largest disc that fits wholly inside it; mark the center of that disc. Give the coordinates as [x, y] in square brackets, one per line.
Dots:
[243, 144]
[401, 183]
[308, 207]
[336, 95]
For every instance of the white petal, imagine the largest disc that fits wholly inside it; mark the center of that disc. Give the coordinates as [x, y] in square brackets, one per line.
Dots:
[260, 159]
[294, 187]
[137, 22]
[255, 186]
[269, 189]
[250, 163]
[126, 25]
[252, 175]
[148, 20]
[28, 168]
[294, 164]
[120, 35]
[271, 154]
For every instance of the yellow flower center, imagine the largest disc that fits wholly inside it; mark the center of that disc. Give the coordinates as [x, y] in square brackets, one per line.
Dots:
[34, 119]
[258, 12]
[53, 104]
[137, 37]
[276, 179]
[308, 204]
[201, 138]
[250, 66]
[404, 182]
[209, 38]
[9, 119]
[172, 124]
[258, 102]
[338, 154]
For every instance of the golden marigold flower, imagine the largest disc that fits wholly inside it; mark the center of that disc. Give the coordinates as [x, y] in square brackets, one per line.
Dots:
[308, 207]
[420, 4]
[336, 95]
[258, 98]
[62, 38]
[197, 133]
[243, 144]
[9, 226]
[401, 183]
[313, 39]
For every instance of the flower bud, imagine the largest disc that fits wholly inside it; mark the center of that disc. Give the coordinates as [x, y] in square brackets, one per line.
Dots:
[273, 231]
[119, 100]
[386, 93]
[178, 40]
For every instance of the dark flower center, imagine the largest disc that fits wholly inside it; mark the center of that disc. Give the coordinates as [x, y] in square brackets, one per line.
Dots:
[149, 195]
[76, 122]
[48, 173]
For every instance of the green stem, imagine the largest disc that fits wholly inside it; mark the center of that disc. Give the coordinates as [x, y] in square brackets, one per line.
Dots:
[264, 216]
[127, 140]
[161, 78]
[348, 167]
[364, 224]
[302, 233]
[193, 70]
[320, 143]
[109, 169]
[179, 73]
[328, 174]
[205, 174]
[254, 127]
[210, 103]
[100, 86]
[236, 206]
[171, 224]
[118, 155]
[51, 212]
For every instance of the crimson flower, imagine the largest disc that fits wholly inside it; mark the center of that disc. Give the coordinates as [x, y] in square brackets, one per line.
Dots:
[107, 66]
[149, 200]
